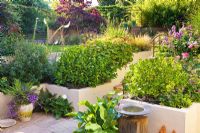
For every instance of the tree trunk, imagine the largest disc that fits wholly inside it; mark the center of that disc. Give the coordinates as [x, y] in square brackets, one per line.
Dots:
[133, 124]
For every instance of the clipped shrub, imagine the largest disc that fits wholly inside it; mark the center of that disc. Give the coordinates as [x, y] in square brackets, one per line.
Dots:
[81, 66]
[57, 105]
[160, 80]
[30, 63]
[162, 13]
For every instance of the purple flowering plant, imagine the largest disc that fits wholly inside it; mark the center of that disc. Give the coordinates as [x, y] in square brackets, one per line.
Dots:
[183, 43]
[23, 95]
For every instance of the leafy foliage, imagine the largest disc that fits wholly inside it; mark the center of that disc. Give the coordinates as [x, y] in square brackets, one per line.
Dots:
[183, 43]
[106, 2]
[100, 117]
[115, 14]
[8, 44]
[9, 16]
[82, 66]
[159, 80]
[82, 19]
[30, 10]
[30, 63]
[4, 85]
[162, 13]
[195, 19]
[23, 93]
[50, 103]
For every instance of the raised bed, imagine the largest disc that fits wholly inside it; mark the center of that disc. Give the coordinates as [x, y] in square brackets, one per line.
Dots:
[91, 93]
[184, 120]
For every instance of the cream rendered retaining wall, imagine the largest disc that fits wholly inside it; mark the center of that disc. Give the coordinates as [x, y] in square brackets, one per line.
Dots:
[181, 120]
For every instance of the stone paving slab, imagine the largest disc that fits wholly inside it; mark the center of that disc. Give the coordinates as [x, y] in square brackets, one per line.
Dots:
[42, 123]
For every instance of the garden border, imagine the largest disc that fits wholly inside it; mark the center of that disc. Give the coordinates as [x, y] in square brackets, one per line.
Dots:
[183, 120]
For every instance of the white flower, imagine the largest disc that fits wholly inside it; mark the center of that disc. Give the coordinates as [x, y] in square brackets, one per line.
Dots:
[64, 96]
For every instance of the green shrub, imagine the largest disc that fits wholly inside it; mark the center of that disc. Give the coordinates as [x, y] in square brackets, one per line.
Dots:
[195, 20]
[4, 84]
[8, 44]
[30, 63]
[100, 117]
[159, 80]
[81, 66]
[106, 2]
[162, 13]
[50, 103]
[73, 39]
[115, 14]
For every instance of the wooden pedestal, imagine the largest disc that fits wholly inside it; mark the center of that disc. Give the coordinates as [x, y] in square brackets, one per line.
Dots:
[133, 124]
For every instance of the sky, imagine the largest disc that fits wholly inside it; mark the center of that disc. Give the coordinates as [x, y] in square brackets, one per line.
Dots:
[94, 3]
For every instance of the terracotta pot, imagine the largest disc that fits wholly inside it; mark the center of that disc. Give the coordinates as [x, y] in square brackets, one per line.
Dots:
[25, 112]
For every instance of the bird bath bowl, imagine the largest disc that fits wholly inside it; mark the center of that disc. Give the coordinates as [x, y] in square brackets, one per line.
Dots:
[133, 109]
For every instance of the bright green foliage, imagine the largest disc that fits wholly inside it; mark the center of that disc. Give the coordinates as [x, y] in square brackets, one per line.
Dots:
[99, 118]
[4, 85]
[115, 14]
[8, 44]
[29, 11]
[195, 20]
[159, 13]
[159, 80]
[83, 66]
[50, 103]
[30, 63]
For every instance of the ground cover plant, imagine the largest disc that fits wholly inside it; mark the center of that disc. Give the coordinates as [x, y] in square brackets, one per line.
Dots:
[83, 66]
[56, 105]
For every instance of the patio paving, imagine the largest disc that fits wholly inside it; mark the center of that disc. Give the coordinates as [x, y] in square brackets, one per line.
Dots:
[42, 123]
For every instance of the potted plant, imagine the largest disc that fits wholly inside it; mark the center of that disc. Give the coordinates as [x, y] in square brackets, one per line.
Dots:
[23, 102]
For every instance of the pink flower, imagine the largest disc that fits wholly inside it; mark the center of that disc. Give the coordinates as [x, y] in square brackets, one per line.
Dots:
[185, 55]
[190, 46]
[177, 57]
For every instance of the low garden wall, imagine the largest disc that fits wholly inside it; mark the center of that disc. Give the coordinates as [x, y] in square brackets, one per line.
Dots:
[91, 93]
[180, 120]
